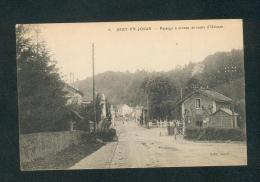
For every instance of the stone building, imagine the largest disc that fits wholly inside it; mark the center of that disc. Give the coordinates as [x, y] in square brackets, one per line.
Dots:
[207, 108]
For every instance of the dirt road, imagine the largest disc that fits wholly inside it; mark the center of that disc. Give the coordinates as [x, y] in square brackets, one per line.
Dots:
[140, 148]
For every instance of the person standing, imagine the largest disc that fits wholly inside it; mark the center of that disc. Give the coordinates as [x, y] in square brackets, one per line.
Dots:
[175, 130]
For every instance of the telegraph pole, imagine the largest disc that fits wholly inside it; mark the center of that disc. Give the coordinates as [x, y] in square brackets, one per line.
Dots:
[181, 93]
[231, 69]
[37, 31]
[94, 92]
[148, 113]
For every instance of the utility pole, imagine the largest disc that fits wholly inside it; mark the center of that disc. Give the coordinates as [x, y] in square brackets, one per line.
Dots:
[37, 31]
[148, 113]
[147, 102]
[94, 92]
[231, 69]
[73, 80]
[182, 119]
[70, 82]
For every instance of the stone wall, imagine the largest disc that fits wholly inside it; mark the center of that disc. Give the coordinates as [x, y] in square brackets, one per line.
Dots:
[191, 113]
[38, 145]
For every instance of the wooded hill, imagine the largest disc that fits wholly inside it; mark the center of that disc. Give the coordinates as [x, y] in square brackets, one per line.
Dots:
[222, 71]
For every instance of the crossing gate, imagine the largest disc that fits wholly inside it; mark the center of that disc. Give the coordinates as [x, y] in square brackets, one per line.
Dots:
[177, 128]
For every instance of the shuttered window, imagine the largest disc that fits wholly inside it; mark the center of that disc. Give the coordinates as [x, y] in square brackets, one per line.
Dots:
[197, 103]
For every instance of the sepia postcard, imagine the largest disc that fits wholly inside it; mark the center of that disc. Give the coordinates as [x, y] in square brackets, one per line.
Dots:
[140, 94]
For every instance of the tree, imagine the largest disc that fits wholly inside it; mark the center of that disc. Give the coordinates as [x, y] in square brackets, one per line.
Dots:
[240, 108]
[42, 102]
[192, 85]
[158, 90]
[215, 67]
[90, 110]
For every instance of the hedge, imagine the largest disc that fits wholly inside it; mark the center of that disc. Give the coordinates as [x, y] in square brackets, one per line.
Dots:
[233, 134]
[108, 134]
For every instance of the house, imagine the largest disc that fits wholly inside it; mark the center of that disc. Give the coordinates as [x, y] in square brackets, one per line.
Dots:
[223, 118]
[125, 110]
[207, 108]
[85, 101]
[73, 95]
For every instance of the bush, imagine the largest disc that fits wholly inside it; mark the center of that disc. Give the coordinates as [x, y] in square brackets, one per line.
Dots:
[88, 137]
[108, 134]
[210, 133]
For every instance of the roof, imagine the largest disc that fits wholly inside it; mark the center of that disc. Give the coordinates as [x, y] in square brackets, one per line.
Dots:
[226, 110]
[69, 87]
[210, 93]
[77, 115]
[86, 102]
[216, 96]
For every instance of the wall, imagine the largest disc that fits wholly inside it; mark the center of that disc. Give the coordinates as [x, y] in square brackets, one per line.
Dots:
[191, 112]
[74, 98]
[221, 120]
[37, 145]
[222, 105]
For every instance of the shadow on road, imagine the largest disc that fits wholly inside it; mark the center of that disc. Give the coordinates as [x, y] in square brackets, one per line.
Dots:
[64, 159]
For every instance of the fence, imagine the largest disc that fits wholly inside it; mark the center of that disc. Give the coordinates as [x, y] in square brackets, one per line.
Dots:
[38, 145]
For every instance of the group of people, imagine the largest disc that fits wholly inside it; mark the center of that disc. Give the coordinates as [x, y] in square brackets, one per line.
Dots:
[164, 124]
[174, 127]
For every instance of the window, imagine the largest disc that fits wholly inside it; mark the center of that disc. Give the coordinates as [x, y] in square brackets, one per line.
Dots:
[197, 103]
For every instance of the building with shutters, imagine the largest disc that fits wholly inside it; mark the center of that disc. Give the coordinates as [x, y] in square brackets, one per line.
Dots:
[206, 108]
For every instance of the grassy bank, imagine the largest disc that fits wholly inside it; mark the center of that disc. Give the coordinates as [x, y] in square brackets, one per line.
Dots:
[64, 159]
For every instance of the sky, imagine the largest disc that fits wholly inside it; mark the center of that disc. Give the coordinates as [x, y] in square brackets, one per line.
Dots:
[128, 46]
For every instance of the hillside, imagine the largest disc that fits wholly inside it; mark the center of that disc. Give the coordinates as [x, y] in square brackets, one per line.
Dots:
[234, 89]
[125, 87]
[117, 86]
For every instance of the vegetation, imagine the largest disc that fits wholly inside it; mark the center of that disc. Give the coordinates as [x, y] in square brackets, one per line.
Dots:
[119, 87]
[159, 91]
[87, 112]
[108, 134]
[104, 130]
[42, 105]
[232, 134]
[42, 102]
[125, 87]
